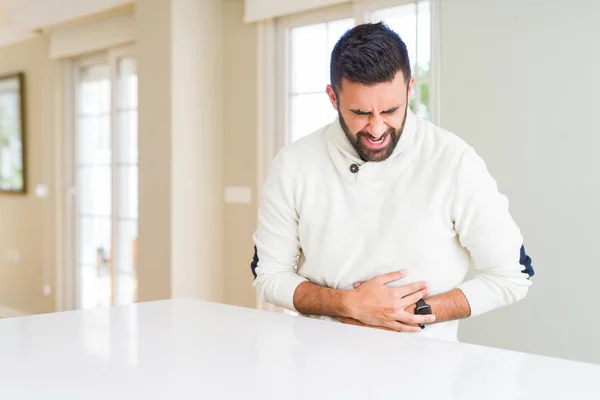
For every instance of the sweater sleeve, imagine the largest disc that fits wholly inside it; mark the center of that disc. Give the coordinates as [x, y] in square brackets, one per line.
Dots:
[487, 230]
[276, 239]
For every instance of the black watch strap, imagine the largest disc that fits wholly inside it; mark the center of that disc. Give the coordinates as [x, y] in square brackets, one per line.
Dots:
[422, 309]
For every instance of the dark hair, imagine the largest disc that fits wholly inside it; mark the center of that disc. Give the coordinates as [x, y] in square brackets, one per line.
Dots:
[369, 54]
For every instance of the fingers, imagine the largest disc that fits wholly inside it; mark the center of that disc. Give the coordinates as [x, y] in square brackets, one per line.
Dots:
[395, 326]
[413, 298]
[391, 277]
[411, 288]
[413, 319]
[352, 321]
[400, 327]
[357, 284]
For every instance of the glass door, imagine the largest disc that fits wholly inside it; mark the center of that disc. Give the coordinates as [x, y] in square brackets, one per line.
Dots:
[105, 179]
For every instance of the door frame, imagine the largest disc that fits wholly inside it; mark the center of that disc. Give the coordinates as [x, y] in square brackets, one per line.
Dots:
[67, 288]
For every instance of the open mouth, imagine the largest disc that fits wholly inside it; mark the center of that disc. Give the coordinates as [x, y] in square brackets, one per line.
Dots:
[377, 143]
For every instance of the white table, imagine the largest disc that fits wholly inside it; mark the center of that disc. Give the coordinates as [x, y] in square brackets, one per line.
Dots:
[185, 349]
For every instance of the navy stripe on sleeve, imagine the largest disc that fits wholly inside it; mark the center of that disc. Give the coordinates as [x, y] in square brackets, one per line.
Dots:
[254, 262]
[524, 260]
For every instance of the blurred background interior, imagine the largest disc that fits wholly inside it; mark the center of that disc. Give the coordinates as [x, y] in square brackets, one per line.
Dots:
[135, 137]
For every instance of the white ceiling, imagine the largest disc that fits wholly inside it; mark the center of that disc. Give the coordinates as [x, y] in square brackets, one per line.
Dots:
[23, 19]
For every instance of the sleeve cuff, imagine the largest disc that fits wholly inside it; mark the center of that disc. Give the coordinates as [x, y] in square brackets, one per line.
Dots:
[285, 291]
[478, 296]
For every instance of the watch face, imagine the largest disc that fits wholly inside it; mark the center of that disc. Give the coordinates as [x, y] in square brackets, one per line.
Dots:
[424, 310]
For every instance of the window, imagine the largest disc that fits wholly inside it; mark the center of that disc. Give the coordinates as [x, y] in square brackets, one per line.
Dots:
[126, 216]
[412, 21]
[105, 176]
[304, 50]
[310, 49]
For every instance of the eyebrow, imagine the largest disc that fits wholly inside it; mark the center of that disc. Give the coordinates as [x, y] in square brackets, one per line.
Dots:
[361, 112]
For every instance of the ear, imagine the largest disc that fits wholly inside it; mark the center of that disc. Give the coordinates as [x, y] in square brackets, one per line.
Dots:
[332, 97]
[410, 86]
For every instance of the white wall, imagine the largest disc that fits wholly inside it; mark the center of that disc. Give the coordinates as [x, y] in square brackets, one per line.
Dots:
[197, 149]
[179, 52]
[520, 82]
[27, 222]
[153, 49]
[239, 141]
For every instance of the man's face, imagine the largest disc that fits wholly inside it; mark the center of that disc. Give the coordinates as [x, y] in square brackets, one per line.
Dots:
[372, 116]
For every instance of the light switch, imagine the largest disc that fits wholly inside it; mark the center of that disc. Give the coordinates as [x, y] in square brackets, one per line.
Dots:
[41, 190]
[238, 195]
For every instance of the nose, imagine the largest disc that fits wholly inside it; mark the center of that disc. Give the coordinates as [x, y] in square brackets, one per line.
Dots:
[377, 126]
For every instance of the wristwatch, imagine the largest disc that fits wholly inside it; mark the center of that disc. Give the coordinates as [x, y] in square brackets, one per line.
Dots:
[422, 309]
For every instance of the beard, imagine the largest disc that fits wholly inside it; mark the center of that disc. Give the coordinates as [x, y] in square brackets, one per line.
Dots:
[359, 139]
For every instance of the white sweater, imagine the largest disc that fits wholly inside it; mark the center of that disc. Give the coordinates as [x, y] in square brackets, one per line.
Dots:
[431, 208]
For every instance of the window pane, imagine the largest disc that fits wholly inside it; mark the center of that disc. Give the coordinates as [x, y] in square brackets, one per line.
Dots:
[94, 287]
[125, 290]
[94, 190]
[403, 20]
[94, 186]
[424, 39]
[97, 262]
[127, 182]
[93, 139]
[127, 191]
[127, 136]
[93, 240]
[423, 109]
[413, 23]
[309, 58]
[127, 240]
[309, 112]
[127, 83]
[311, 47]
[94, 89]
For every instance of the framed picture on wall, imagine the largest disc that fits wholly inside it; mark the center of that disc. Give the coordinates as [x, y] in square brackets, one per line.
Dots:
[12, 134]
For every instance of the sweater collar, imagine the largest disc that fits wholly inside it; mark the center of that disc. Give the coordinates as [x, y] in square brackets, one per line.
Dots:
[353, 169]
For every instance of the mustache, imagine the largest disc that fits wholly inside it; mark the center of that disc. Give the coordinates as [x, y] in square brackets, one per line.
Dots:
[365, 134]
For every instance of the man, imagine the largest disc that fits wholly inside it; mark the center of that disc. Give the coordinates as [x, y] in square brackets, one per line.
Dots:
[381, 212]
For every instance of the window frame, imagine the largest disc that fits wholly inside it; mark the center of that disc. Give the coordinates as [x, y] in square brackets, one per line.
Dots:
[360, 10]
[111, 57]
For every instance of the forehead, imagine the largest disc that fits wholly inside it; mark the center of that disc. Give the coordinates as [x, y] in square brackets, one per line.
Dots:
[379, 96]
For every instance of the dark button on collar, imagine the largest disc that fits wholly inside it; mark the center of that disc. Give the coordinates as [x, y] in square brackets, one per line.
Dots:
[354, 168]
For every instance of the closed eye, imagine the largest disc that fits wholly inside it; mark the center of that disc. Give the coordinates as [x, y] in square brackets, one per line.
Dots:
[390, 111]
[364, 113]
[360, 112]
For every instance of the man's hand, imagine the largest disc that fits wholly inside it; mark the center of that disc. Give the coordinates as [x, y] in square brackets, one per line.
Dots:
[374, 303]
[351, 321]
